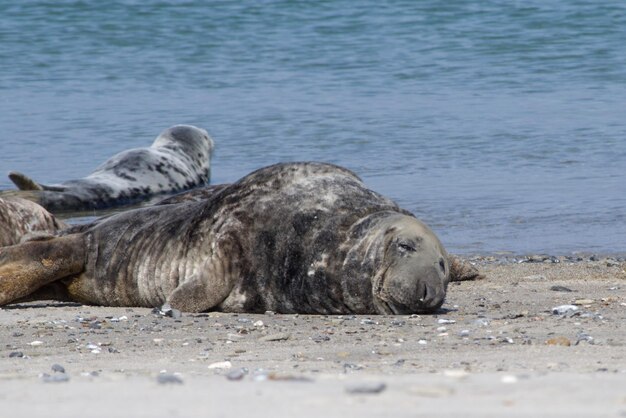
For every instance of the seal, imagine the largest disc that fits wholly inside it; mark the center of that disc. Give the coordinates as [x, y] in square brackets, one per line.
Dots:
[21, 219]
[178, 159]
[297, 237]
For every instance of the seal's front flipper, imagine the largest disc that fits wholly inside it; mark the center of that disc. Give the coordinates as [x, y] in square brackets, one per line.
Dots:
[199, 293]
[27, 267]
[24, 182]
[461, 270]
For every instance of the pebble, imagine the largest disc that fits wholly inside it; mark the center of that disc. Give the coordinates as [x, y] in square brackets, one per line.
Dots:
[167, 310]
[58, 368]
[456, 373]
[55, 378]
[281, 336]
[509, 379]
[18, 354]
[564, 341]
[236, 374]
[583, 301]
[36, 343]
[221, 365]
[563, 309]
[446, 321]
[368, 321]
[560, 289]
[168, 379]
[365, 388]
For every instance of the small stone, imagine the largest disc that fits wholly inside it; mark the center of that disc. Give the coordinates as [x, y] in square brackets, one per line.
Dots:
[422, 342]
[446, 321]
[35, 343]
[583, 301]
[169, 379]
[57, 368]
[509, 379]
[564, 309]
[18, 334]
[281, 336]
[236, 374]
[464, 333]
[564, 341]
[560, 289]
[55, 378]
[456, 373]
[258, 324]
[365, 388]
[221, 365]
[17, 354]
[368, 321]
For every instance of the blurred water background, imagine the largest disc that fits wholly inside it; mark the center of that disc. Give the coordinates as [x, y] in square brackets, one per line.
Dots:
[502, 124]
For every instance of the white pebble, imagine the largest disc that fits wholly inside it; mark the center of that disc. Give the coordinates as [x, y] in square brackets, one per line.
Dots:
[220, 365]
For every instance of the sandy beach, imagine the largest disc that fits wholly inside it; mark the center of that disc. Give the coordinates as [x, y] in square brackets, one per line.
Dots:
[498, 347]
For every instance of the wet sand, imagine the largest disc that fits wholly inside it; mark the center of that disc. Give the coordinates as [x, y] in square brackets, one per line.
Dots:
[496, 348]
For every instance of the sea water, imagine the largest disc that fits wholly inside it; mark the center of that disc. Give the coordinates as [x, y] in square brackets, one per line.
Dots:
[502, 124]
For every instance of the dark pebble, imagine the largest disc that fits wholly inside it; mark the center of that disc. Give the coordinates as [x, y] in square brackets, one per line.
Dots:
[18, 334]
[16, 354]
[236, 374]
[366, 388]
[561, 289]
[57, 368]
[167, 378]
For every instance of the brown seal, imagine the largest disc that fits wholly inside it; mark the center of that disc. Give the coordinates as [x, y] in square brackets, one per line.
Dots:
[299, 237]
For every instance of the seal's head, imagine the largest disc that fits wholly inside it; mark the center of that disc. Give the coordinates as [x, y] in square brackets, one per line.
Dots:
[413, 274]
[193, 141]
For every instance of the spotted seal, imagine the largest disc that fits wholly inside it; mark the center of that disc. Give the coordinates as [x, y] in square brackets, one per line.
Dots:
[178, 159]
[297, 237]
[22, 219]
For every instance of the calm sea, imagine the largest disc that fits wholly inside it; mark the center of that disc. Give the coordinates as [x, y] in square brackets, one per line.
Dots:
[502, 124]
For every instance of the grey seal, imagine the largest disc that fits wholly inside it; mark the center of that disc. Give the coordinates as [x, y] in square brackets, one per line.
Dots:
[178, 159]
[297, 237]
[21, 219]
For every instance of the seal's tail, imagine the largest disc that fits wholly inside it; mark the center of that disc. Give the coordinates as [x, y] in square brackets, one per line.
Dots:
[27, 267]
[24, 182]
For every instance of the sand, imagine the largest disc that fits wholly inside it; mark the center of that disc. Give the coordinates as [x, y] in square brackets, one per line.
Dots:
[495, 349]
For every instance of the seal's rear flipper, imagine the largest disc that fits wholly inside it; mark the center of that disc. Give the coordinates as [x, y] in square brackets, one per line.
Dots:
[24, 182]
[461, 270]
[27, 267]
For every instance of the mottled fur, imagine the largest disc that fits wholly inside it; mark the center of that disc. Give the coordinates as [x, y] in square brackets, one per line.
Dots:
[179, 159]
[21, 219]
[300, 237]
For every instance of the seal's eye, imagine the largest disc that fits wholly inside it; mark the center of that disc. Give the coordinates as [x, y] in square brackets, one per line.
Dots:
[406, 246]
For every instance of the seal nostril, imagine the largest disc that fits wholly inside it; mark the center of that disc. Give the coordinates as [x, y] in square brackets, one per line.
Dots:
[442, 265]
